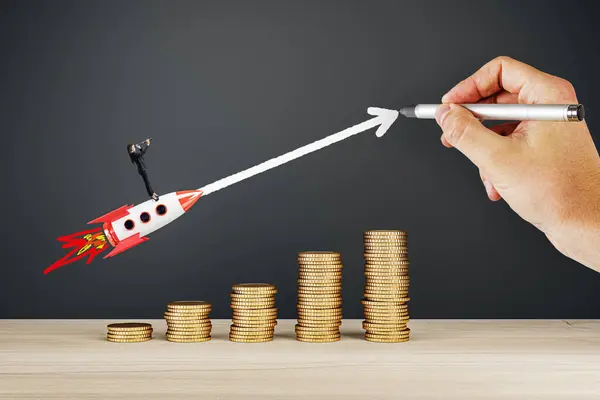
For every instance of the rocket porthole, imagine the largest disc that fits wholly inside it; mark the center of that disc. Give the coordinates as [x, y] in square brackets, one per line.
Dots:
[129, 224]
[161, 209]
[145, 217]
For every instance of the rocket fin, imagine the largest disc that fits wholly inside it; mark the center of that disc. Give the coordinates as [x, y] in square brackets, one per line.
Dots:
[126, 244]
[113, 215]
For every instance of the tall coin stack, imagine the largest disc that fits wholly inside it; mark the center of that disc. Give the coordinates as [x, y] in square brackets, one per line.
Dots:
[386, 288]
[188, 321]
[319, 296]
[254, 312]
[129, 332]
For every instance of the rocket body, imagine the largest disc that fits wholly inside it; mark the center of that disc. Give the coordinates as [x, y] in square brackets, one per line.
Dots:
[130, 225]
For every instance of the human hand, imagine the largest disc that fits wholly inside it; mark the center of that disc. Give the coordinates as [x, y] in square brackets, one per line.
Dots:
[548, 172]
[148, 141]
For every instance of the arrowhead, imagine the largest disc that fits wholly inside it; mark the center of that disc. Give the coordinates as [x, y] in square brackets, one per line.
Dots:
[386, 118]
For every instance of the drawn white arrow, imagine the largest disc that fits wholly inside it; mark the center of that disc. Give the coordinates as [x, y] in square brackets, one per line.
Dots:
[384, 118]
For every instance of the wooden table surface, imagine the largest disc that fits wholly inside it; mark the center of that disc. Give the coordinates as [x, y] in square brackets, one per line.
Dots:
[462, 359]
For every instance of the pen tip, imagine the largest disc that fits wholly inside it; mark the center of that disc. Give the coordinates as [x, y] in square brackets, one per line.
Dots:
[408, 111]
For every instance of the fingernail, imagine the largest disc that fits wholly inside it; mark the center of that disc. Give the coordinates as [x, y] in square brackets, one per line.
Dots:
[488, 187]
[445, 97]
[441, 112]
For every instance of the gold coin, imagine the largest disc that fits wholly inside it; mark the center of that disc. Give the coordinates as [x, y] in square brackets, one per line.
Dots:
[391, 320]
[320, 277]
[129, 326]
[384, 340]
[175, 336]
[250, 335]
[251, 297]
[317, 306]
[188, 305]
[189, 326]
[254, 301]
[318, 329]
[387, 288]
[385, 247]
[319, 321]
[251, 324]
[185, 322]
[383, 312]
[385, 232]
[383, 325]
[250, 340]
[309, 321]
[186, 316]
[317, 299]
[387, 274]
[189, 332]
[253, 287]
[252, 328]
[131, 340]
[389, 241]
[387, 268]
[302, 314]
[321, 267]
[405, 332]
[319, 283]
[314, 340]
[376, 304]
[324, 311]
[264, 311]
[251, 306]
[113, 336]
[320, 294]
[189, 340]
[255, 319]
[393, 310]
[370, 281]
[386, 314]
[383, 297]
[319, 254]
[401, 265]
[372, 257]
[130, 333]
[322, 336]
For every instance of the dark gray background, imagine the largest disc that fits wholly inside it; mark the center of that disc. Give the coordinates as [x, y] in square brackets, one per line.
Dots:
[221, 86]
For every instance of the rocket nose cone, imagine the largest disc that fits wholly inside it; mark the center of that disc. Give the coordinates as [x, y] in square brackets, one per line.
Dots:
[188, 198]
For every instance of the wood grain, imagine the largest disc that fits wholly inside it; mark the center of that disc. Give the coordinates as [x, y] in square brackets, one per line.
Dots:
[473, 359]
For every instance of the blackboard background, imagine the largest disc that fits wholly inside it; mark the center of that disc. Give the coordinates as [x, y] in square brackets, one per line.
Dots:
[221, 86]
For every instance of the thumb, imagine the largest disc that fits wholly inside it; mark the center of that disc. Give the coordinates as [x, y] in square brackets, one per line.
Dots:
[465, 132]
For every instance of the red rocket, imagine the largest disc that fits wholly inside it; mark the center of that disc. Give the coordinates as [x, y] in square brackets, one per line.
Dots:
[126, 227]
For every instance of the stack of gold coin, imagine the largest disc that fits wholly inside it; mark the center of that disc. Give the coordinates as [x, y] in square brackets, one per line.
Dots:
[188, 321]
[319, 296]
[254, 312]
[386, 288]
[129, 332]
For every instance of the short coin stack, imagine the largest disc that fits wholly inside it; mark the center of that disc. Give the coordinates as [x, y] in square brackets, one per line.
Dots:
[254, 312]
[386, 289]
[319, 296]
[129, 332]
[188, 321]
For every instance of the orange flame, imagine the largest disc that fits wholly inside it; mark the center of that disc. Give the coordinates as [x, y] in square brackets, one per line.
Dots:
[91, 242]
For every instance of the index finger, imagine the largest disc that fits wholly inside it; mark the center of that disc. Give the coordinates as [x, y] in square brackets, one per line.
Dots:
[529, 84]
